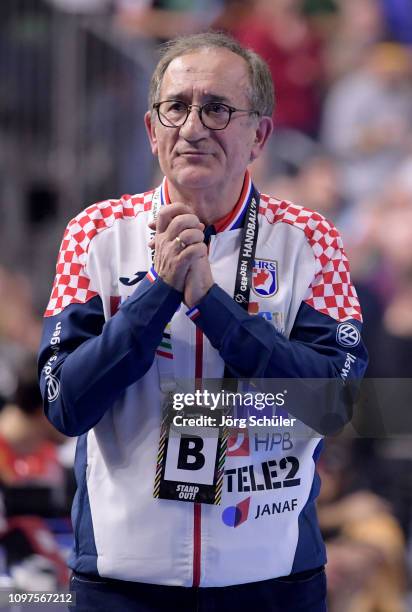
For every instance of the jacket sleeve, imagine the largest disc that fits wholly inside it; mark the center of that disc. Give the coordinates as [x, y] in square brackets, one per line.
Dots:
[325, 341]
[252, 348]
[85, 362]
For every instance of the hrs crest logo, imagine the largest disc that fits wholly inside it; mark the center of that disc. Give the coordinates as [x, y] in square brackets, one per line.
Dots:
[265, 277]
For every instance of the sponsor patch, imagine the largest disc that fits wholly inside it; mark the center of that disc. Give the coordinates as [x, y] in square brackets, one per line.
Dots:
[53, 383]
[53, 387]
[273, 316]
[129, 282]
[165, 347]
[233, 516]
[265, 476]
[238, 444]
[347, 335]
[288, 505]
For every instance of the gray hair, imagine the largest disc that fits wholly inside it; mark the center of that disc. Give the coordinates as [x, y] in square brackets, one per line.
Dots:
[261, 85]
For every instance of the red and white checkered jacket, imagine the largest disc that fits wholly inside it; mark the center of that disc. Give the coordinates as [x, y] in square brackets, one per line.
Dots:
[110, 333]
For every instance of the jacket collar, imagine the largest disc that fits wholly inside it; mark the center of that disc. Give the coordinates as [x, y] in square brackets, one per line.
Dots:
[234, 219]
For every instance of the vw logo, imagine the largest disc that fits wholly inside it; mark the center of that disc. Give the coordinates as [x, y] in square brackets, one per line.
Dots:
[53, 388]
[347, 335]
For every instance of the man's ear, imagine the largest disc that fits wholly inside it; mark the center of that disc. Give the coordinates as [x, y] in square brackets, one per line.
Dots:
[263, 130]
[151, 131]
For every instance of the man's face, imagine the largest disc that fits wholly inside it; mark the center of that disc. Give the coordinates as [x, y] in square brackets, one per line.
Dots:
[193, 156]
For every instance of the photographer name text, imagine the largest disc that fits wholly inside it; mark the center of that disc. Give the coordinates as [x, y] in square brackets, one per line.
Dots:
[228, 421]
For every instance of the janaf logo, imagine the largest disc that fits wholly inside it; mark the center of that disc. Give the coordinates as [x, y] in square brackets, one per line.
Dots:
[265, 277]
[233, 516]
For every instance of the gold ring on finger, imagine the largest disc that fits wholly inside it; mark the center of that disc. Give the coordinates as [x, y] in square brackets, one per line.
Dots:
[180, 242]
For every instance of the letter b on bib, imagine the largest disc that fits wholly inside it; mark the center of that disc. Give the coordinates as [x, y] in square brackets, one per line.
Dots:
[190, 455]
[192, 458]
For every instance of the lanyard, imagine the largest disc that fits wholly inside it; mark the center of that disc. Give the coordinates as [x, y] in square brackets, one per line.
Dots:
[246, 258]
[247, 252]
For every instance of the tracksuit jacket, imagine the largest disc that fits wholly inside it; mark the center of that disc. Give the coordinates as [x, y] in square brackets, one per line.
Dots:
[112, 326]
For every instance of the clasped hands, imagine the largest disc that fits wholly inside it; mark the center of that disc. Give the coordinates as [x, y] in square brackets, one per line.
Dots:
[181, 258]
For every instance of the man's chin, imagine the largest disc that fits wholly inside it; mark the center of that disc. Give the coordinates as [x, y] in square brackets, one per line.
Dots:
[196, 177]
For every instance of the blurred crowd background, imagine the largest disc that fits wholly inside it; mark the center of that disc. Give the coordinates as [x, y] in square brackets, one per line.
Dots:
[74, 77]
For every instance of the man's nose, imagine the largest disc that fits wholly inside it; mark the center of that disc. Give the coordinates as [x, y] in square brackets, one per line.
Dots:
[193, 127]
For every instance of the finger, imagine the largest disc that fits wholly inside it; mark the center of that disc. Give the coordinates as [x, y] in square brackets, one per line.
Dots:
[167, 213]
[185, 239]
[187, 236]
[151, 243]
[181, 223]
[193, 252]
[191, 236]
[173, 266]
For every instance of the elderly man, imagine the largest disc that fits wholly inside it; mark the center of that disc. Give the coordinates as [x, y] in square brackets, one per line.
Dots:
[202, 278]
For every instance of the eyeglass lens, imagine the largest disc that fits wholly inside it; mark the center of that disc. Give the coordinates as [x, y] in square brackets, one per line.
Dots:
[213, 115]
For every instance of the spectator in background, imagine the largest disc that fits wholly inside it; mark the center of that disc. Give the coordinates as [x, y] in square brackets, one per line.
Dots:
[386, 242]
[32, 487]
[368, 119]
[28, 451]
[323, 16]
[164, 19]
[18, 321]
[233, 12]
[319, 7]
[315, 186]
[283, 37]
[19, 328]
[365, 544]
[81, 6]
[360, 24]
[381, 258]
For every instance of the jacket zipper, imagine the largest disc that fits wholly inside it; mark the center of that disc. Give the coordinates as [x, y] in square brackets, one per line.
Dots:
[197, 534]
[197, 508]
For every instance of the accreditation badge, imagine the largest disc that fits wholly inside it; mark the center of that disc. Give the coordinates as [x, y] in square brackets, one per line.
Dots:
[191, 457]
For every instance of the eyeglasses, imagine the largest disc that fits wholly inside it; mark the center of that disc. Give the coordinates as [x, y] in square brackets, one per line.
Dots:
[213, 115]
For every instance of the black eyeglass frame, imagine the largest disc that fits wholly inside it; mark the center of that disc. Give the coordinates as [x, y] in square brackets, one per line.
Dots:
[231, 109]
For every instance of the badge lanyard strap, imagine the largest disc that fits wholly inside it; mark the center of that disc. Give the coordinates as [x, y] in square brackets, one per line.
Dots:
[246, 258]
[243, 280]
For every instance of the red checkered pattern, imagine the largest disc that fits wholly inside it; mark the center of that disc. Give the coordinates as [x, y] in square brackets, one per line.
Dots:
[71, 284]
[331, 291]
